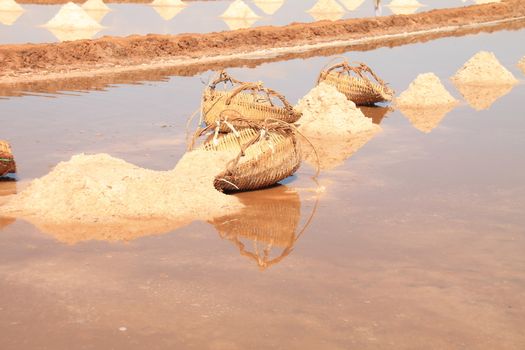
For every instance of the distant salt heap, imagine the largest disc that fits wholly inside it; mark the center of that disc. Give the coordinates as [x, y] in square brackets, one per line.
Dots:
[482, 80]
[404, 7]
[326, 10]
[483, 68]
[333, 124]
[426, 102]
[168, 9]
[71, 17]
[10, 11]
[351, 5]
[239, 10]
[425, 91]
[269, 7]
[96, 9]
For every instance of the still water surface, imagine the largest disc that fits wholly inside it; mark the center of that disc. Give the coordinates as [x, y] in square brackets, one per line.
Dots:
[418, 241]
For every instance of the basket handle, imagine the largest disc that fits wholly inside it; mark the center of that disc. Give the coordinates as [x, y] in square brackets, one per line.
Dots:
[223, 77]
[347, 68]
[259, 87]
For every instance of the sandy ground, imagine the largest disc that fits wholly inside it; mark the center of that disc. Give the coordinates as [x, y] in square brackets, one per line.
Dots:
[29, 62]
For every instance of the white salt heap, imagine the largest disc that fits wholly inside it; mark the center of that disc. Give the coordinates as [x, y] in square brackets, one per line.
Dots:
[404, 7]
[239, 10]
[333, 124]
[72, 16]
[351, 5]
[168, 3]
[425, 91]
[10, 6]
[269, 6]
[101, 189]
[327, 112]
[483, 68]
[95, 5]
[326, 10]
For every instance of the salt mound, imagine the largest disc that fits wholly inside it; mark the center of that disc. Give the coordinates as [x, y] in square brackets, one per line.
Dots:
[404, 7]
[327, 112]
[521, 64]
[351, 5]
[166, 12]
[425, 91]
[269, 6]
[239, 10]
[95, 5]
[102, 190]
[326, 10]
[167, 3]
[483, 68]
[426, 119]
[334, 125]
[10, 6]
[72, 16]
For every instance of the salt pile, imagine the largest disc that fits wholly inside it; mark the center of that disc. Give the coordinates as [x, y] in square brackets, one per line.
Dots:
[335, 126]
[269, 6]
[351, 5]
[10, 11]
[167, 13]
[404, 7]
[326, 10]
[102, 191]
[95, 5]
[10, 6]
[72, 16]
[425, 91]
[483, 68]
[239, 10]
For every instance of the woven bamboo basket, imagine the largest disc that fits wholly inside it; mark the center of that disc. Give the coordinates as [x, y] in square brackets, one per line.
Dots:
[359, 83]
[265, 154]
[7, 161]
[251, 100]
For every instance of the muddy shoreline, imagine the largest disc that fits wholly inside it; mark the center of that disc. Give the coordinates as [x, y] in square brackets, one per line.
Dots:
[111, 55]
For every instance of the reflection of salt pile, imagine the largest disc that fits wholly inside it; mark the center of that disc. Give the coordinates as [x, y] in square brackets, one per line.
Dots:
[239, 15]
[268, 220]
[404, 7]
[482, 80]
[335, 126]
[351, 5]
[96, 9]
[10, 11]
[269, 6]
[326, 10]
[107, 197]
[72, 23]
[426, 102]
[167, 9]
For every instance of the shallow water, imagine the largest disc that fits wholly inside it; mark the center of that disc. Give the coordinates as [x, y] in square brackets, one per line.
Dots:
[417, 241]
[197, 16]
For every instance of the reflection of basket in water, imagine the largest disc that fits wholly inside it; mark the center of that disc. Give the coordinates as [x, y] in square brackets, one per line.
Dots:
[265, 155]
[251, 100]
[269, 219]
[7, 161]
[355, 84]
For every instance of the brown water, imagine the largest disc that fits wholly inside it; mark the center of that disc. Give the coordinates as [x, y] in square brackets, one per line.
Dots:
[417, 241]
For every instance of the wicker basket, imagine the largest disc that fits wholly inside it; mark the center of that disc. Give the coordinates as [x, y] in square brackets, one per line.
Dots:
[252, 101]
[7, 161]
[356, 83]
[265, 155]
